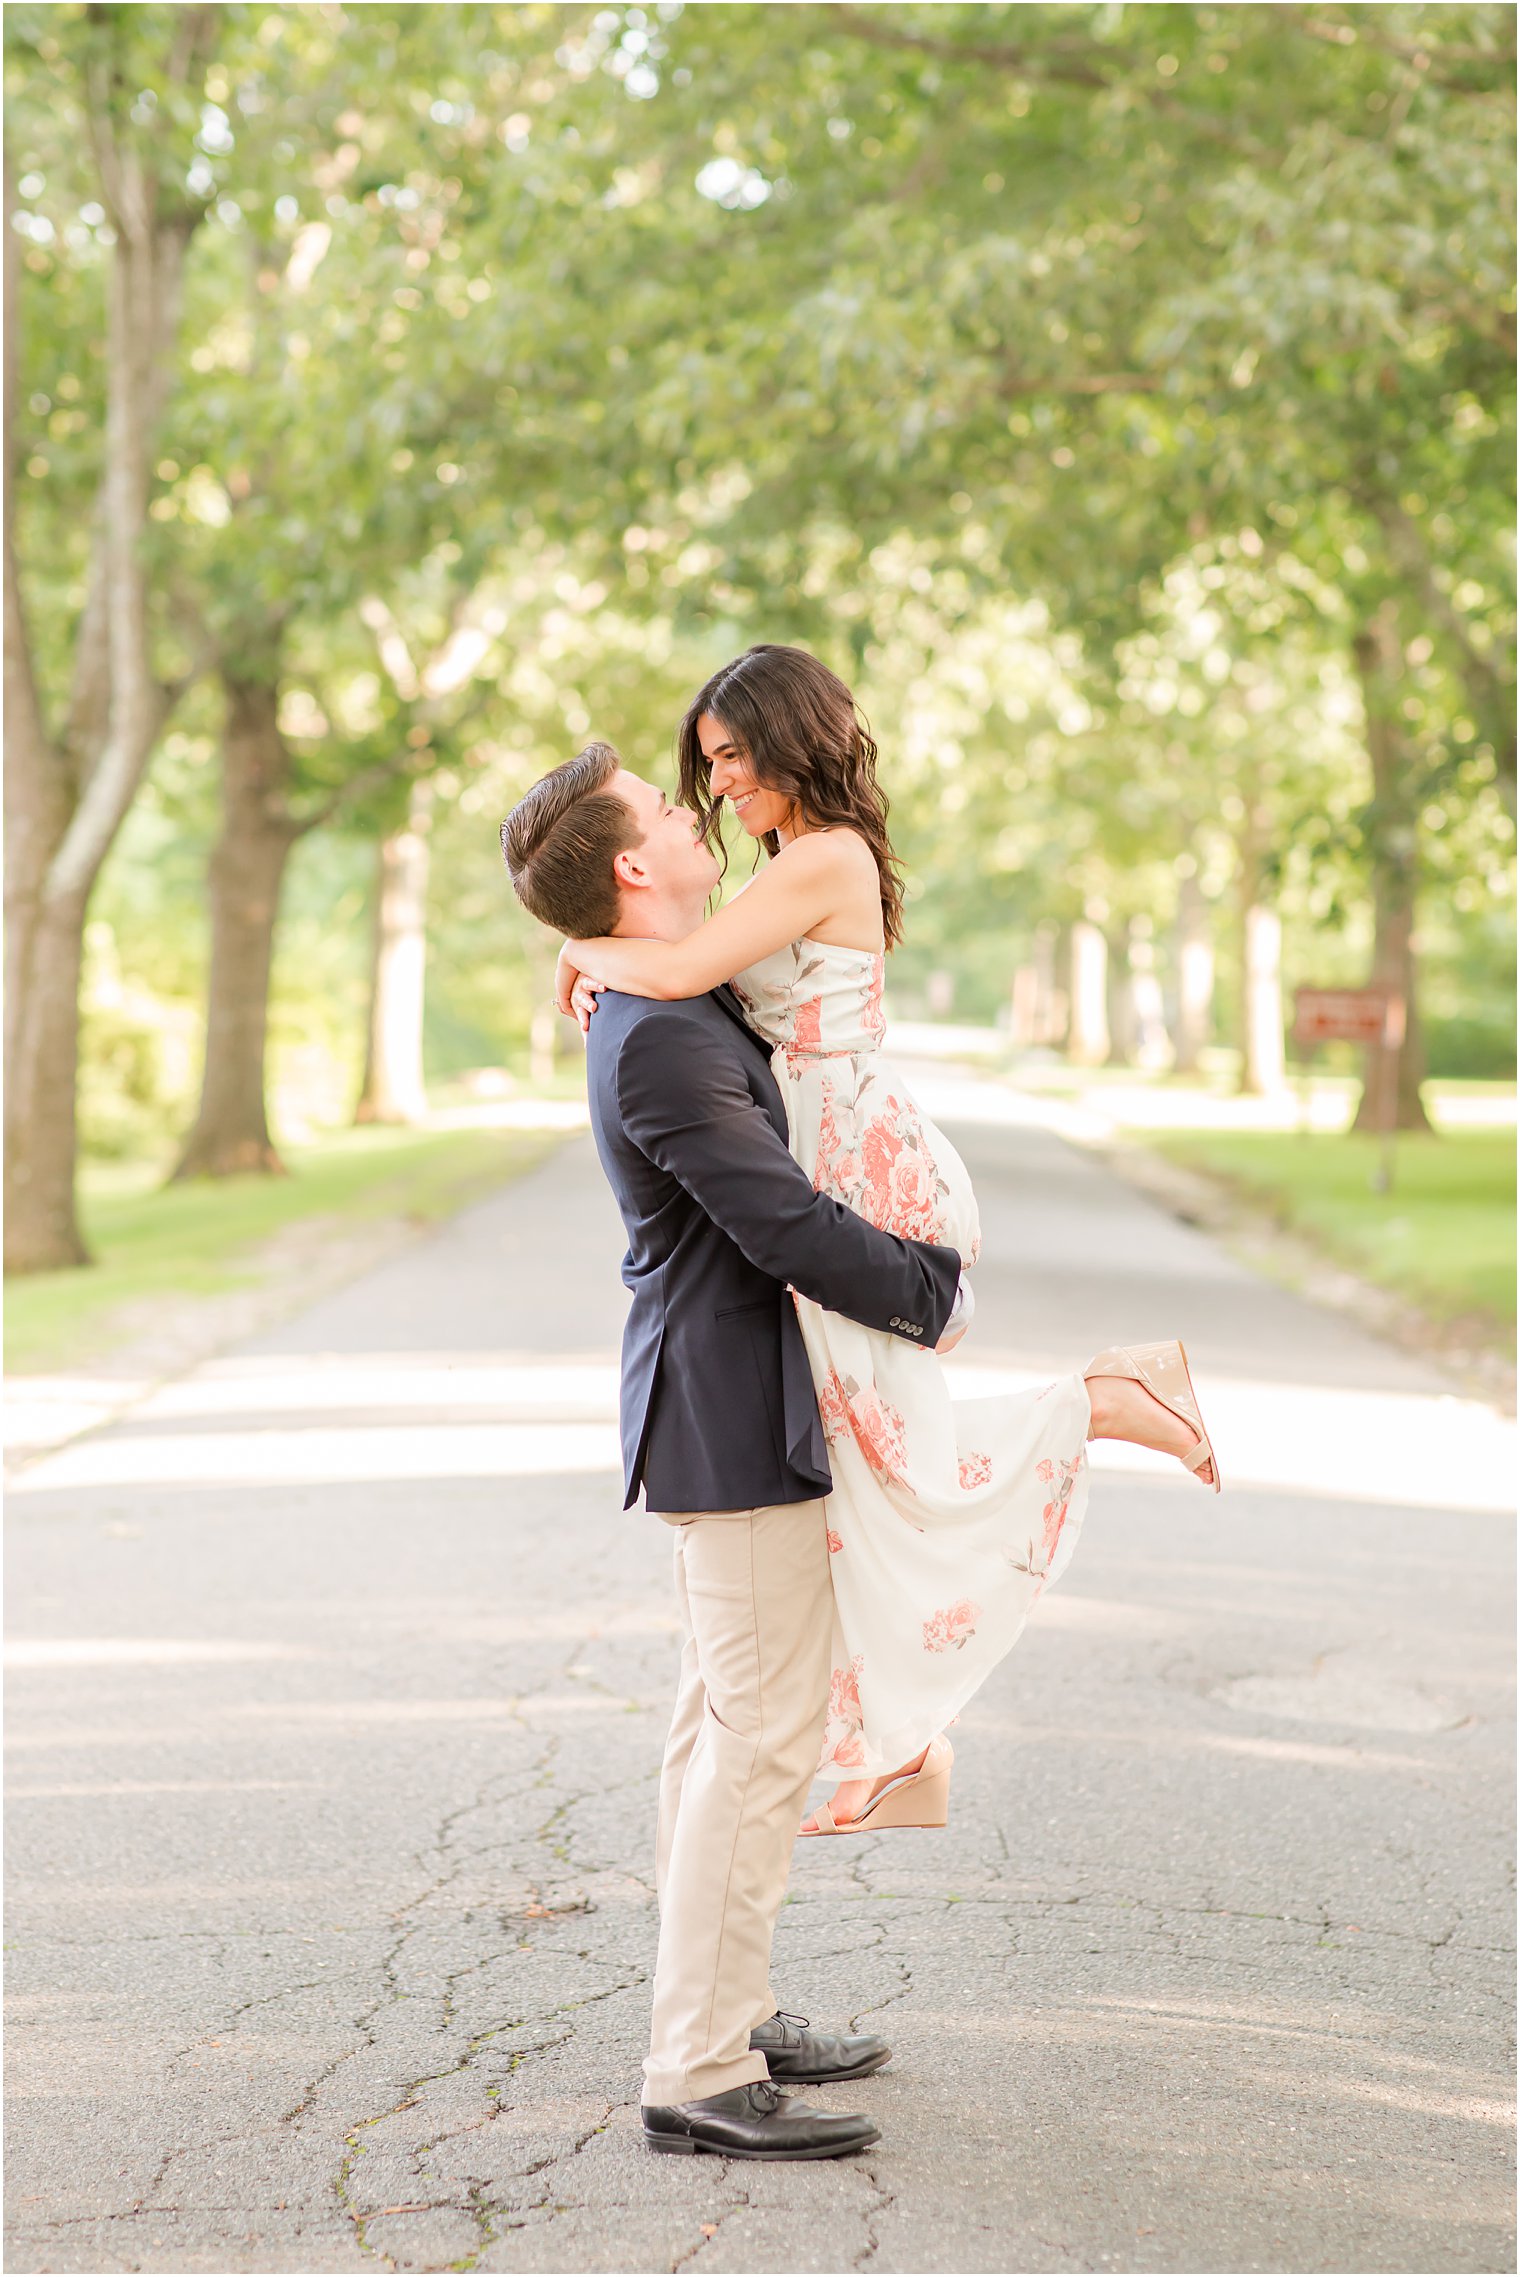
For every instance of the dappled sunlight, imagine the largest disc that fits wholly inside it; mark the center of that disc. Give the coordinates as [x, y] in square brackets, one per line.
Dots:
[42, 1411]
[1192, 2014]
[1150, 1743]
[1097, 1104]
[532, 1417]
[108, 1790]
[1434, 1452]
[233, 1897]
[379, 1453]
[1475, 2108]
[505, 1708]
[1348, 1755]
[1111, 1616]
[144, 1652]
[509, 1385]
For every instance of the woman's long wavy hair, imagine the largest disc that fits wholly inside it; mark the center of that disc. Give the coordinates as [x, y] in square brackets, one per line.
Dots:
[804, 736]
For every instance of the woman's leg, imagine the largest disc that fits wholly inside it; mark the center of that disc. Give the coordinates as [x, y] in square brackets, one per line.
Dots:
[850, 1798]
[1122, 1409]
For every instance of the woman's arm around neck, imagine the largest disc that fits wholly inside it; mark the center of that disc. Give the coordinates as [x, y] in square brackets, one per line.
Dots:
[823, 880]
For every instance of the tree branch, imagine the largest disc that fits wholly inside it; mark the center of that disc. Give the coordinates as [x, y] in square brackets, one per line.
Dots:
[1095, 383]
[392, 770]
[22, 699]
[1422, 56]
[1488, 690]
[1059, 62]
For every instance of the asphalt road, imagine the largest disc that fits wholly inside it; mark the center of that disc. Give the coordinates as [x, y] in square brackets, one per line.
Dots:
[338, 1687]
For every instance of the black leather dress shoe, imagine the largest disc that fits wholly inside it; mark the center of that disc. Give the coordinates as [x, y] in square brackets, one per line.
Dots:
[802, 2057]
[757, 2121]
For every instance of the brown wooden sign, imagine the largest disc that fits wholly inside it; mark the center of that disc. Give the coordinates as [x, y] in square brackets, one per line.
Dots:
[1348, 1015]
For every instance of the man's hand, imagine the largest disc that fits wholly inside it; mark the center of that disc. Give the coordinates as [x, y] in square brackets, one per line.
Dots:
[960, 1317]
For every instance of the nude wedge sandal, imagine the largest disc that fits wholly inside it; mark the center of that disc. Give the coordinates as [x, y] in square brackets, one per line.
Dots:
[1163, 1371]
[920, 1799]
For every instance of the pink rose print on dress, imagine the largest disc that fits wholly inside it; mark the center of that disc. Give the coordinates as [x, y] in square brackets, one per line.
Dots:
[835, 1541]
[841, 1732]
[844, 1691]
[1064, 1475]
[903, 1189]
[836, 1170]
[975, 1470]
[807, 1030]
[1060, 1477]
[872, 1019]
[877, 1428]
[880, 1435]
[834, 1409]
[914, 1190]
[952, 1627]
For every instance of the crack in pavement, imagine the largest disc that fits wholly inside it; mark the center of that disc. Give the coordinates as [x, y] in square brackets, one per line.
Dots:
[450, 1857]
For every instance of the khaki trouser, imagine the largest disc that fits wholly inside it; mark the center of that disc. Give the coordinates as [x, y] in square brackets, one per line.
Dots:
[757, 1615]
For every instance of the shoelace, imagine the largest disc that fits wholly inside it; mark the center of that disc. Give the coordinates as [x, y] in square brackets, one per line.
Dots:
[790, 2024]
[765, 2097]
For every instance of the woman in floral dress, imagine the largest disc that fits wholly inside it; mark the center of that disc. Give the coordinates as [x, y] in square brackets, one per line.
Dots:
[944, 1525]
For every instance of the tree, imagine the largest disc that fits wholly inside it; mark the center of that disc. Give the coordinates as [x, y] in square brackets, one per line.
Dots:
[330, 486]
[1185, 273]
[392, 1089]
[122, 89]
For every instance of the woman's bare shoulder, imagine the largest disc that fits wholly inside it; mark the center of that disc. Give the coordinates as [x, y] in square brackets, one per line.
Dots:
[839, 849]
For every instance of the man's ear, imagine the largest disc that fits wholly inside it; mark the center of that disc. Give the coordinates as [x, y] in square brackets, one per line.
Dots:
[628, 870]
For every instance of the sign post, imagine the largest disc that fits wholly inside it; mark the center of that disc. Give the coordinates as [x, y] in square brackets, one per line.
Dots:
[1370, 1016]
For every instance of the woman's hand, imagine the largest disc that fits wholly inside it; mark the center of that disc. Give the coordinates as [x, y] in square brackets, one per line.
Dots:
[583, 998]
[575, 991]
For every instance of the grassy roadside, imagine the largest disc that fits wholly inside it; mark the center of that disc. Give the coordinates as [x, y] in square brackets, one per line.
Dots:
[183, 1243]
[1444, 1238]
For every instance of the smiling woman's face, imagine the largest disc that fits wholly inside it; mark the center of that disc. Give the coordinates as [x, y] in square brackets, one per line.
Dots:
[732, 777]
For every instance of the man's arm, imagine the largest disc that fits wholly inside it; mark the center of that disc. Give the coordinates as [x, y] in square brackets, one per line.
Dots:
[685, 1104]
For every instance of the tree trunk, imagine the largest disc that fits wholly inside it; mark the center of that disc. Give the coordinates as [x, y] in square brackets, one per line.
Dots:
[1049, 1011]
[247, 869]
[1120, 1002]
[1024, 1007]
[41, 1225]
[1195, 976]
[1087, 1030]
[1152, 1047]
[393, 1091]
[1262, 1065]
[1391, 1089]
[67, 793]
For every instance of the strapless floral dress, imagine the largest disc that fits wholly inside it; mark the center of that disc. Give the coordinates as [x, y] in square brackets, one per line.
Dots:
[943, 1527]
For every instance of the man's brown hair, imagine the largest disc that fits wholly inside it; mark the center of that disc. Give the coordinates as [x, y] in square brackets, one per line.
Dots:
[559, 844]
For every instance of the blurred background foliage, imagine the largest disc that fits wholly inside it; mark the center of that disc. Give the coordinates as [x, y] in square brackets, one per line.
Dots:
[1120, 398]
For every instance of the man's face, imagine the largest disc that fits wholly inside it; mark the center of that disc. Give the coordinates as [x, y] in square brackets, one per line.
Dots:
[672, 859]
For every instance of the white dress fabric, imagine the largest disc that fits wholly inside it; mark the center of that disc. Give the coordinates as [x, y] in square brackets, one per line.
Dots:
[945, 1524]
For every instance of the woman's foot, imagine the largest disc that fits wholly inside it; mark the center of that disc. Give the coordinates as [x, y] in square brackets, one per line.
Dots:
[1123, 1409]
[848, 1801]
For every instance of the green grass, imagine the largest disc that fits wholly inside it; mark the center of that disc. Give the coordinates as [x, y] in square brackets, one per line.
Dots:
[202, 1239]
[1444, 1237]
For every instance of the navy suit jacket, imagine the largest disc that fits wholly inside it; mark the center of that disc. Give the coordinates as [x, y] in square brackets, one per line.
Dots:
[718, 1406]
